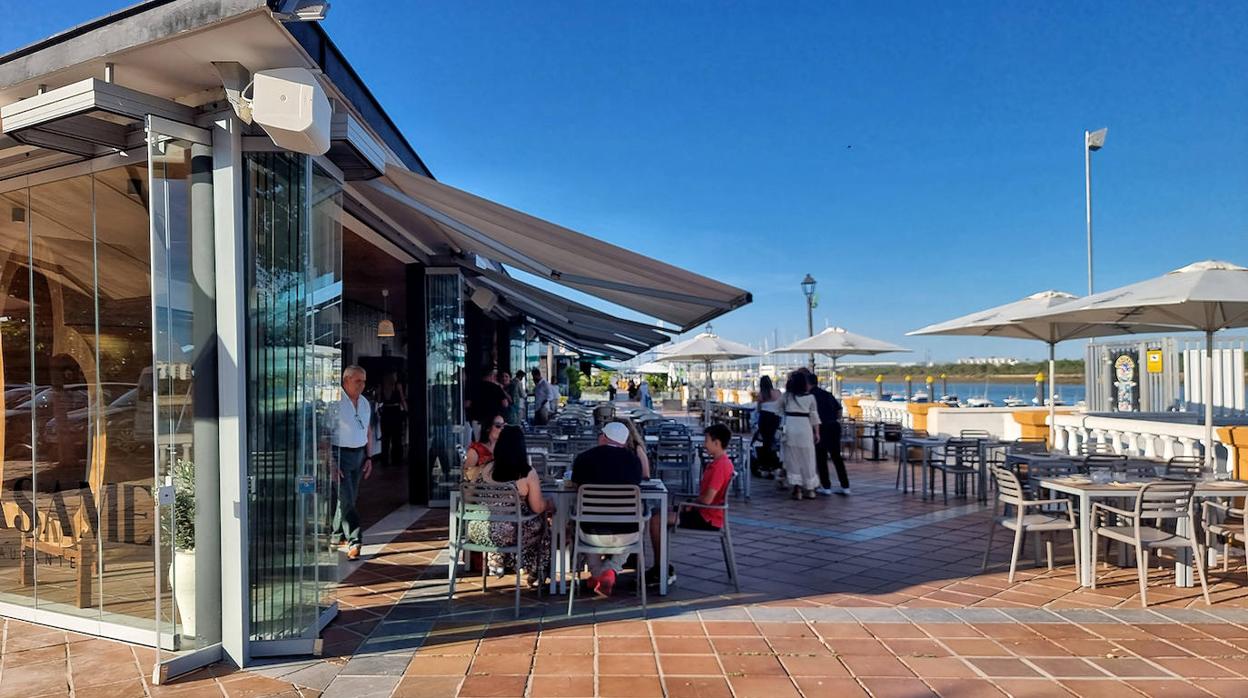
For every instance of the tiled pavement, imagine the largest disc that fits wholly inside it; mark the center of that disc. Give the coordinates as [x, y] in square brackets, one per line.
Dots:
[878, 594]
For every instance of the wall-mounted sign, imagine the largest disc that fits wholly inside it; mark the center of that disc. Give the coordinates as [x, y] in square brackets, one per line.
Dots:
[1153, 360]
[1123, 394]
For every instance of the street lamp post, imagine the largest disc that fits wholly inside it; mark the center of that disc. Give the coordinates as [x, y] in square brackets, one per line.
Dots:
[808, 288]
[1092, 140]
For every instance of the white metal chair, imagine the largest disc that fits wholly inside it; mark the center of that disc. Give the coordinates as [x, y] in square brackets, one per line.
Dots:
[608, 504]
[1185, 467]
[488, 503]
[1161, 503]
[724, 535]
[1053, 515]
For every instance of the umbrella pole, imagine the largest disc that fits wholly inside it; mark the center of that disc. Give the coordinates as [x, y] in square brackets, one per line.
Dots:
[1052, 399]
[706, 403]
[836, 383]
[1211, 458]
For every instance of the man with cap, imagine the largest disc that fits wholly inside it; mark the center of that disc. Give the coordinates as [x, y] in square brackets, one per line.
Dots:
[608, 463]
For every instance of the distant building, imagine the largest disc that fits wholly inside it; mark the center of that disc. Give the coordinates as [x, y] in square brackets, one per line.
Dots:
[989, 360]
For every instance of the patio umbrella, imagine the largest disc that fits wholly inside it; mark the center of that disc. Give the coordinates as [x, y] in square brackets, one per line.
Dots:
[1206, 296]
[652, 367]
[705, 348]
[836, 342]
[1024, 319]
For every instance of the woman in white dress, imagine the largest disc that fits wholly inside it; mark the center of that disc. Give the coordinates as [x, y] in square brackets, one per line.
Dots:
[801, 433]
[770, 412]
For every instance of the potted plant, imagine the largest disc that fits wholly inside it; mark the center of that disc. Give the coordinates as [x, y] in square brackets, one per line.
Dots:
[182, 570]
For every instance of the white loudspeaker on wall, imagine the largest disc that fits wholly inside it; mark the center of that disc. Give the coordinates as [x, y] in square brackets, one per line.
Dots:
[484, 298]
[291, 106]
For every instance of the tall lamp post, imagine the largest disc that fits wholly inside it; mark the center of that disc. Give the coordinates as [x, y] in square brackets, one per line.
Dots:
[808, 288]
[1092, 140]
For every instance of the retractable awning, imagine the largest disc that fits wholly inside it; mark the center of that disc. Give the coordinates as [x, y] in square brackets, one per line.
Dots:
[470, 224]
[569, 315]
[588, 329]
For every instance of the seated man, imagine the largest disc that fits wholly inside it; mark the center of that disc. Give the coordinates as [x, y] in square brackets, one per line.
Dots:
[608, 463]
[712, 490]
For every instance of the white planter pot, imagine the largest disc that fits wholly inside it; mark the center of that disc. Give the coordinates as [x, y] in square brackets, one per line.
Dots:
[183, 570]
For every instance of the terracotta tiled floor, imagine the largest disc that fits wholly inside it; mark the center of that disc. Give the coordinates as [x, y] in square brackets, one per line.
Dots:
[877, 594]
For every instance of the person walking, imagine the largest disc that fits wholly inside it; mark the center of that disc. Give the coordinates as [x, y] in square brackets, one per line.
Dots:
[801, 433]
[643, 394]
[352, 442]
[769, 412]
[829, 444]
[542, 395]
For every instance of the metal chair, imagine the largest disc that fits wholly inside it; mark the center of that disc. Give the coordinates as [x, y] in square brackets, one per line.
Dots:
[674, 454]
[1089, 447]
[610, 504]
[1027, 446]
[849, 437]
[1185, 467]
[909, 458]
[1010, 494]
[489, 503]
[1134, 469]
[725, 536]
[1041, 469]
[1102, 461]
[958, 457]
[975, 434]
[1158, 502]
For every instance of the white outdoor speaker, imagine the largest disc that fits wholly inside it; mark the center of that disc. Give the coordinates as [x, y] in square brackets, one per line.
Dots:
[290, 105]
[484, 298]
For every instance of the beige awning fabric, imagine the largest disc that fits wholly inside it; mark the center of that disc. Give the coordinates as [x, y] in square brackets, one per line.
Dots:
[471, 224]
[589, 328]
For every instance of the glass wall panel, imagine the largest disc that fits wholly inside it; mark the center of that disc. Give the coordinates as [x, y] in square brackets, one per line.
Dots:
[68, 452]
[17, 513]
[293, 337]
[445, 357]
[118, 426]
[182, 385]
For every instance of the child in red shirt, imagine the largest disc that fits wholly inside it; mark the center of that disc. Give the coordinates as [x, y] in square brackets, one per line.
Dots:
[714, 488]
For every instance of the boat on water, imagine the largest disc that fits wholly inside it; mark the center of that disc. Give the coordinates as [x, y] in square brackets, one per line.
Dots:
[949, 400]
[979, 402]
[1014, 402]
[921, 397]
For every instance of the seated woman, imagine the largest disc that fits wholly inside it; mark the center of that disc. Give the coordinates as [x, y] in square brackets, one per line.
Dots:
[479, 461]
[511, 464]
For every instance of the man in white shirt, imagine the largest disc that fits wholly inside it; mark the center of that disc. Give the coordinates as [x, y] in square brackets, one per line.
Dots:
[353, 441]
[544, 402]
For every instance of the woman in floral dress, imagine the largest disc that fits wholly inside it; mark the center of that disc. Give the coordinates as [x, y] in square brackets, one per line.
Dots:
[511, 465]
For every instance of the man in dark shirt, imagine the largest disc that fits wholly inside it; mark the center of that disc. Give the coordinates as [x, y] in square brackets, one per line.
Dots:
[608, 463]
[829, 444]
[489, 402]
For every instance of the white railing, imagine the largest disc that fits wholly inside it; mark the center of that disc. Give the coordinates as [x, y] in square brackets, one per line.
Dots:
[1136, 437]
[886, 411]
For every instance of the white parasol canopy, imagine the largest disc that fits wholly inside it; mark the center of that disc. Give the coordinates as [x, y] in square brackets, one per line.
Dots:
[705, 348]
[1207, 296]
[1025, 319]
[651, 367]
[836, 342]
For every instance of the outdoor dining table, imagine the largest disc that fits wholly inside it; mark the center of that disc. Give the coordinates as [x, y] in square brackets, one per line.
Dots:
[1087, 491]
[564, 495]
[874, 430]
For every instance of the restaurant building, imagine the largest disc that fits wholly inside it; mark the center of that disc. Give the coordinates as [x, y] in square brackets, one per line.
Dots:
[181, 288]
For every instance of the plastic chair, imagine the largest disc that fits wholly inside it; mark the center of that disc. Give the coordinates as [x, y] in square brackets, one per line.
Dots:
[1010, 493]
[674, 454]
[1223, 520]
[725, 536]
[614, 504]
[490, 503]
[1103, 461]
[975, 434]
[1157, 502]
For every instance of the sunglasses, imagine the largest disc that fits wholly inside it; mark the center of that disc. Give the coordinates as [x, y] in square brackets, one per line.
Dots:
[499, 425]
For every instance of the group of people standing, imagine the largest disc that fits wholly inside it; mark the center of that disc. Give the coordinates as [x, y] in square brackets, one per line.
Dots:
[799, 431]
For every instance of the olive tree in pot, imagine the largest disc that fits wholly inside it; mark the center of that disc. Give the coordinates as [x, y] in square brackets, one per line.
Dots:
[182, 571]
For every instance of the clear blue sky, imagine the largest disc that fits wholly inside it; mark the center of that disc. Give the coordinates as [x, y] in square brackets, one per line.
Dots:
[920, 164]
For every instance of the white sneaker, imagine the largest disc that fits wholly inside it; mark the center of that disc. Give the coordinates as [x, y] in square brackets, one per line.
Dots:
[844, 490]
[823, 490]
